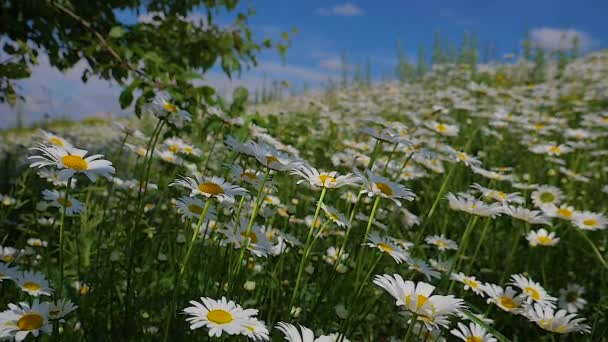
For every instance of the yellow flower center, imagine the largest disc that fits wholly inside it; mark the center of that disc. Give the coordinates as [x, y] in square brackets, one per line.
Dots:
[249, 175]
[508, 303]
[385, 247]
[252, 236]
[173, 148]
[195, 209]
[462, 156]
[56, 141]
[30, 321]
[7, 258]
[441, 128]
[31, 286]
[544, 240]
[64, 202]
[324, 178]
[75, 162]
[441, 243]
[565, 212]
[210, 188]
[532, 292]
[590, 222]
[170, 107]
[421, 300]
[474, 339]
[555, 149]
[539, 125]
[384, 188]
[188, 149]
[219, 316]
[271, 159]
[472, 283]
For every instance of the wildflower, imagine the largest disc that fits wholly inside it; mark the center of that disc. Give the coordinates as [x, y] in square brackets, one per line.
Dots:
[527, 215]
[542, 237]
[564, 211]
[499, 196]
[506, 299]
[322, 179]
[380, 186]
[33, 283]
[441, 242]
[192, 207]
[385, 245]
[57, 199]
[335, 216]
[54, 139]
[472, 333]
[421, 266]
[462, 157]
[551, 149]
[258, 242]
[61, 308]
[71, 160]
[7, 272]
[211, 187]
[587, 220]
[23, 319]
[272, 158]
[474, 206]
[546, 195]
[442, 128]
[532, 290]
[570, 298]
[331, 255]
[470, 283]
[559, 322]
[8, 254]
[292, 334]
[219, 316]
[164, 108]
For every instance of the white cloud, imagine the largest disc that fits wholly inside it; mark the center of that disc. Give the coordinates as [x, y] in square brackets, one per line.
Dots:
[346, 9]
[560, 39]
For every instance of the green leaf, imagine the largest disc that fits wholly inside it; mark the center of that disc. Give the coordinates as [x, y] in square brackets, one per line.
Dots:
[126, 97]
[239, 96]
[494, 332]
[117, 32]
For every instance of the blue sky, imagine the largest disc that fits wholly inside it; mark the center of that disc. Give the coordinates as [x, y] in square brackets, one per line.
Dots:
[363, 29]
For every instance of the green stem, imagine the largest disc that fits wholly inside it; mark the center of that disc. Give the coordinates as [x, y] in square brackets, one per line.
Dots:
[408, 334]
[306, 248]
[367, 230]
[61, 229]
[593, 247]
[461, 249]
[484, 232]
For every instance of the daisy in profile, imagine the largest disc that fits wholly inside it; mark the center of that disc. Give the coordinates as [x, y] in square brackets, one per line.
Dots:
[259, 245]
[422, 267]
[527, 215]
[443, 128]
[58, 199]
[192, 208]
[239, 147]
[7, 272]
[9, 254]
[587, 220]
[335, 216]
[293, 334]
[255, 329]
[546, 195]
[33, 283]
[163, 107]
[462, 157]
[54, 139]
[551, 149]
[273, 158]
[211, 187]
[570, 298]
[321, 179]
[24, 319]
[385, 245]
[169, 157]
[532, 291]
[218, 316]
[473, 333]
[331, 255]
[563, 211]
[249, 176]
[60, 309]
[499, 196]
[506, 299]
[542, 237]
[52, 176]
[70, 160]
[469, 282]
[441, 242]
[560, 322]
[380, 186]
[474, 206]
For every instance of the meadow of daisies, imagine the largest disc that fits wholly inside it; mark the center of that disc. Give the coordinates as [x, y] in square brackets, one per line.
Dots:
[453, 208]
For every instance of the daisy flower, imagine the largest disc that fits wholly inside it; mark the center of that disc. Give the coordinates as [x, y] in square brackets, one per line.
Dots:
[587, 220]
[527, 215]
[54, 139]
[532, 291]
[71, 160]
[546, 195]
[211, 187]
[255, 330]
[474, 206]
[462, 157]
[293, 334]
[169, 157]
[323, 179]
[441, 242]
[218, 316]
[551, 149]
[421, 266]
[560, 322]
[498, 195]
[23, 319]
[470, 283]
[33, 283]
[272, 158]
[249, 176]
[506, 299]
[473, 333]
[8, 254]
[164, 108]
[52, 176]
[58, 199]
[443, 128]
[380, 186]
[564, 211]
[239, 147]
[192, 207]
[7, 272]
[331, 255]
[385, 245]
[258, 242]
[570, 298]
[335, 216]
[61, 308]
[542, 237]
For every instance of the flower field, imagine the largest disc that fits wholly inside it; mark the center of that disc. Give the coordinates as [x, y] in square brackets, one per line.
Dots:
[445, 209]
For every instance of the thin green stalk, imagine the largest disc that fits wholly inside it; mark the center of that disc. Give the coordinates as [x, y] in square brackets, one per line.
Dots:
[61, 229]
[484, 232]
[294, 294]
[367, 230]
[408, 334]
[461, 248]
[593, 247]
